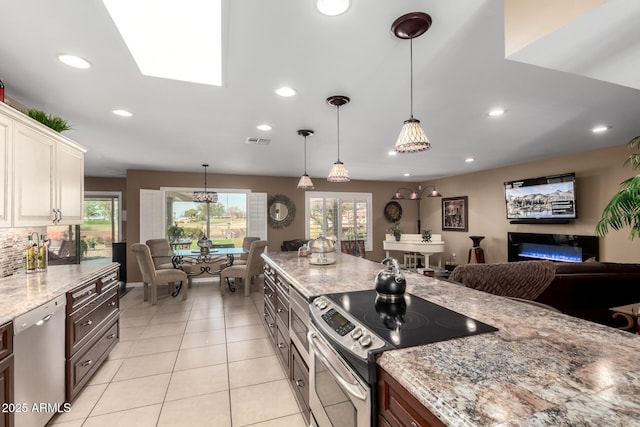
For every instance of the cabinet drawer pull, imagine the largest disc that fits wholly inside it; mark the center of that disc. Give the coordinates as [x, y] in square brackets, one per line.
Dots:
[87, 363]
[271, 325]
[282, 345]
[112, 303]
[87, 323]
[300, 383]
[280, 310]
[111, 336]
[413, 424]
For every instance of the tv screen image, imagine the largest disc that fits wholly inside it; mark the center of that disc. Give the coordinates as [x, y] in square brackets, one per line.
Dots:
[550, 197]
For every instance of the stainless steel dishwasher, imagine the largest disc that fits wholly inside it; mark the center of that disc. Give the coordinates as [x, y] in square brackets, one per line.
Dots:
[38, 346]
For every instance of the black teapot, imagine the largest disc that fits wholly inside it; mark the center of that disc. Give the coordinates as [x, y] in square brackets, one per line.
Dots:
[390, 283]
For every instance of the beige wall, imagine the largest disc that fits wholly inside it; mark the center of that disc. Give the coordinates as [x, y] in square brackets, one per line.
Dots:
[598, 175]
[526, 21]
[598, 172]
[381, 191]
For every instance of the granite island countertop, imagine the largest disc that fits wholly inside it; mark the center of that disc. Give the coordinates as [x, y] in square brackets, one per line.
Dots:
[23, 292]
[541, 367]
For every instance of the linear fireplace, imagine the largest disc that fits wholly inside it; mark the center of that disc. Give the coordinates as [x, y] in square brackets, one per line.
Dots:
[553, 247]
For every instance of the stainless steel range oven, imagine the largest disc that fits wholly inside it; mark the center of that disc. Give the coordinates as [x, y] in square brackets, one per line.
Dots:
[346, 333]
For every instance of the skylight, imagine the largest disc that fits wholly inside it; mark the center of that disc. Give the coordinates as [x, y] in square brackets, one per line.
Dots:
[172, 39]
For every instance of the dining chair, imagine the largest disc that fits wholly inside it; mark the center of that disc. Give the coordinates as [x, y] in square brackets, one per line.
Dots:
[353, 247]
[245, 272]
[152, 276]
[246, 245]
[159, 248]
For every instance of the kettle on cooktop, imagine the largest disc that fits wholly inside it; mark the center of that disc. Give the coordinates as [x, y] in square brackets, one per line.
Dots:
[390, 283]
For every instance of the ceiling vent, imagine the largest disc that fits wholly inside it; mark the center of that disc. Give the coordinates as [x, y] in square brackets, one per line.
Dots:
[257, 140]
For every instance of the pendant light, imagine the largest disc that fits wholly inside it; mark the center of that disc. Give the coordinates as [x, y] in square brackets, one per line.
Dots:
[305, 182]
[338, 172]
[207, 197]
[412, 137]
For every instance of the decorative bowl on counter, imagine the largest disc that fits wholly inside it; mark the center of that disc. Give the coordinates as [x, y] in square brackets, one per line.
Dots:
[322, 251]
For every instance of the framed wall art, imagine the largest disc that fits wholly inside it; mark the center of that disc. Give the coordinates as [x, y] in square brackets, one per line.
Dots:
[455, 214]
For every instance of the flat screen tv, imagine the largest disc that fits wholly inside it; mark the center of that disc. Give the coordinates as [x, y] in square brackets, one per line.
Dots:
[545, 199]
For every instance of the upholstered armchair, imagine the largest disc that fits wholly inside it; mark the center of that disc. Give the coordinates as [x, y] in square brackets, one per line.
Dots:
[153, 277]
[245, 272]
[160, 253]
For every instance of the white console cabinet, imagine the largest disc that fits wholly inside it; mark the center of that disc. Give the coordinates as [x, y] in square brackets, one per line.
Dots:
[47, 174]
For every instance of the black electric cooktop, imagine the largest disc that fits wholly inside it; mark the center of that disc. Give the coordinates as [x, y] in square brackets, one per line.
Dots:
[413, 321]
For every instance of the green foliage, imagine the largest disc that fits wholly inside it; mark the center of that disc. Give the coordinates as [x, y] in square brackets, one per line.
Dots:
[623, 210]
[175, 233]
[54, 122]
[395, 229]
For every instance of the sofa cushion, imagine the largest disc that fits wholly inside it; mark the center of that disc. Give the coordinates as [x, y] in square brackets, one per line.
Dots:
[292, 245]
[522, 279]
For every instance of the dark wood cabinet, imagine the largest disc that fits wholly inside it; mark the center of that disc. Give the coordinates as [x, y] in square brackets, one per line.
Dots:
[300, 381]
[398, 408]
[92, 328]
[6, 374]
[276, 314]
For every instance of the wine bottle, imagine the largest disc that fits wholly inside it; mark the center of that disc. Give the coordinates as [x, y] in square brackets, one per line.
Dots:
[42, 254]
[30, 255]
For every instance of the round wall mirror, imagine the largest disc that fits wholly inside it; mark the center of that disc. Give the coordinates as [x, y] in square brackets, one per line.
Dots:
[281, 211]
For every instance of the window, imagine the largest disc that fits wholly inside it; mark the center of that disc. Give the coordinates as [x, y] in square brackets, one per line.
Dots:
[226, 221]
[339, 216]
[101, 226]
[236, 214]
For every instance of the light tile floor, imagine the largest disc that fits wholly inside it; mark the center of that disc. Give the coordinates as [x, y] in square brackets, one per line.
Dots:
[205, 361]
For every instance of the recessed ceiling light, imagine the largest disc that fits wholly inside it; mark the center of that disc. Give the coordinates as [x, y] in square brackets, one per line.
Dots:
[74, 61]
[496, 112]
[469, 159]
[285, 91]
[600, 129]
[177, 40]
[332, 7]
[263, 127]
[392, 153]
[406, 174]
[122, 113]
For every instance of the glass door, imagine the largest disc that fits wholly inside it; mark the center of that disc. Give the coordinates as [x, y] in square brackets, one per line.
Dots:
[101, 226]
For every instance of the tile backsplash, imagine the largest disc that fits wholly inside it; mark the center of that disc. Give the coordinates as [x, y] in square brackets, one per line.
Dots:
[13, 242]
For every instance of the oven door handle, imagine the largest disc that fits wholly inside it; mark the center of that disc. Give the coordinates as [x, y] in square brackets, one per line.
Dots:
[334, 365]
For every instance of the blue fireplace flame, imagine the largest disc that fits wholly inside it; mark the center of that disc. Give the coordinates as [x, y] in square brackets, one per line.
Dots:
[550, 252]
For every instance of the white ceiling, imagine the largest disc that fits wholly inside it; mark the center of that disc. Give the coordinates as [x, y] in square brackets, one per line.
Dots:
[459, 74]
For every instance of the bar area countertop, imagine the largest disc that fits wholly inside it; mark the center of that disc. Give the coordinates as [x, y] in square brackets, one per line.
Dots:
[540, 368]
[23, 292]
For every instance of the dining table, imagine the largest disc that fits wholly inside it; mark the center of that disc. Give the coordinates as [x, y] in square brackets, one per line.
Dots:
[200, 263]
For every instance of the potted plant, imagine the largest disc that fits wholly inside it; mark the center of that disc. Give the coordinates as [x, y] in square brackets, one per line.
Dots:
[91, 241]
[396, 231]
[54, 122]
[623, 210]
[175, 233]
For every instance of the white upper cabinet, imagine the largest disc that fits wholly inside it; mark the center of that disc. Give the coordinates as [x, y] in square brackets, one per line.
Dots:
[6, 145]
[47, 174]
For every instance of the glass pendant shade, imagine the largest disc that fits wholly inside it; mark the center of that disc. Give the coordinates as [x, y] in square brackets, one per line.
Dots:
[338, 173]
[305, 183]
[205, 196]
[412, 138]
